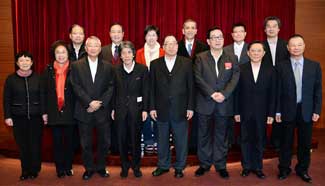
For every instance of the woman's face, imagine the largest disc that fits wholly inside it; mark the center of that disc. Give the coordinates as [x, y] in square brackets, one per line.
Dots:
[24, 63]
[61, 54]
[151, 38]
[127, 56]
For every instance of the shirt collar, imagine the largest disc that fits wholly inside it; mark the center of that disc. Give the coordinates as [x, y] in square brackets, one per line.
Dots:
[129, 70]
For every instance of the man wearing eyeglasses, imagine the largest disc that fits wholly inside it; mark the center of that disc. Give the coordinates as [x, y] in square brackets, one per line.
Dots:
[216, 75]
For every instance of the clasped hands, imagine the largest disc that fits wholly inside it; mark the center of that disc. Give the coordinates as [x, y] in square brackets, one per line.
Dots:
[94, 106]
[218, 97]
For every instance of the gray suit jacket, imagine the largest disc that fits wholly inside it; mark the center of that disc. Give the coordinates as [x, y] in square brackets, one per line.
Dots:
[207, 83]
[243, 56]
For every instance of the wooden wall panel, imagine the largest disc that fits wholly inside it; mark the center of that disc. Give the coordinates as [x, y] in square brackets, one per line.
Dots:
[310, 23]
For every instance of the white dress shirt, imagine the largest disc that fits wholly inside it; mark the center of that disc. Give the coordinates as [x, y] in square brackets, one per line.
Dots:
[216, 59]
[170, 63]
[238, 49]
[272, 45]
[93, 67]
[131, 69]
[256, 70]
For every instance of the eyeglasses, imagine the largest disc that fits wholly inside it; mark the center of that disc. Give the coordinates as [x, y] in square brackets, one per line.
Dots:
[215, 38]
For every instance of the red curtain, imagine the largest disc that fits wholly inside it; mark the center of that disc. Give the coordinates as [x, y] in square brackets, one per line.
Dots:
[38, 23]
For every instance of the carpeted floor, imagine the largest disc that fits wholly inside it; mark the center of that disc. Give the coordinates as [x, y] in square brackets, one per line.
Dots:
[10, 172]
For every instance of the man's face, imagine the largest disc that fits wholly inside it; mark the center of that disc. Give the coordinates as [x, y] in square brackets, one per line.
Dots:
[272, 28]
[296, 47]
[93, 48]
[189, 30]
[116, 33]
[127, 56]
[238, 34]
[170, 46]
[77, 35]
[216, 40]
[256, 52]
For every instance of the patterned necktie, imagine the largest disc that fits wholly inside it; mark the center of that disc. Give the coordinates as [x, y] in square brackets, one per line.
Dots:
[298, 80]
[189, 49]
[116, 52]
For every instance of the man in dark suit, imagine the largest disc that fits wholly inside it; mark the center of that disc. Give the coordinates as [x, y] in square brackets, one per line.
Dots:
[77, 46]
[171, 105]
[239, 46]
[254, 107]
[216, 76]
[188, 47]
[299, 105]
[130, 107]
[92, 80]
[275, 48]
[110, 52]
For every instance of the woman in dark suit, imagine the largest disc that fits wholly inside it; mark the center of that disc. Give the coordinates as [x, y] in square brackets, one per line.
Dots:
[59, 106]
[130, 105]
[22, 111]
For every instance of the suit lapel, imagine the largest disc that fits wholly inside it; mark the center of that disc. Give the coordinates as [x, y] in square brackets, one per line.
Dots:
[242, 54]
[176, 66]
[99, 74]
[88, 72]
[212, 64]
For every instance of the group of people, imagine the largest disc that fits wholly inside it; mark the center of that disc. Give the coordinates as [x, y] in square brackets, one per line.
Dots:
[155, 91]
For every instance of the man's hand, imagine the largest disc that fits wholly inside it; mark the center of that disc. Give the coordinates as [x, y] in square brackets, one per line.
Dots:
[237, 118]
[278, 118]
[315, 117]
[269, 120]
[153, 115]
[95, 104]
[144, 115]
[45, 119]
[9, 122]
[189, 114]
[113, 114]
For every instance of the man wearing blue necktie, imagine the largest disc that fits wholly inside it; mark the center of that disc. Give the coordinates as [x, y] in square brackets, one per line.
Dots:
[298, 106]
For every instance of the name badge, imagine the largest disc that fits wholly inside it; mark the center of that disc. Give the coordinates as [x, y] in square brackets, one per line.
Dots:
[139, 99]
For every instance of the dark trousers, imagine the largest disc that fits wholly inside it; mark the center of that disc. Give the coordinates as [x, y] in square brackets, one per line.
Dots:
[28, 136]
[113, 136]
[63, 146]
[253, 137]
[192, 145]
[304, 143]
[103, 143]
[149, 131]
[129, 135]
[213, 140]
[180, 135]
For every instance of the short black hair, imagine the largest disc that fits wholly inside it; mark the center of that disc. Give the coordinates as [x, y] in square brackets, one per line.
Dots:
[272, 18]
[55, 45]
[238, 25]
[212, 29]
[76, 25]
[23, 53]
[255, 42]
[151, 28]
[296, 36]
[126, 44]
[116, 23]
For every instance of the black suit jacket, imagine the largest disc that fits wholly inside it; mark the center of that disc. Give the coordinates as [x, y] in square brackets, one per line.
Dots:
[171, 93]
[256, 99]
[311, 90]
[207, 82]
[243, 56]
[106, 55]
[86, 90]
[281, 52]
[197, 47]
[131, 91]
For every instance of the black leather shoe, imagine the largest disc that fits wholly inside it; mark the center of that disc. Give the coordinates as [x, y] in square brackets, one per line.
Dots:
[260, 174]
[103, 173]
[178, 173]
[24, 176]
[283, 174]
[159, 171]
[124, 173]
[69, 172]
[223, 173]
[245, 172]
[200, 171]
[305, 177]
[33, 175]
[87, 175]
[60, 174]
[137, 173]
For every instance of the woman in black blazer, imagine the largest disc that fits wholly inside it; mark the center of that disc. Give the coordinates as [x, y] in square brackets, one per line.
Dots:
[22, 111]
[58, 108]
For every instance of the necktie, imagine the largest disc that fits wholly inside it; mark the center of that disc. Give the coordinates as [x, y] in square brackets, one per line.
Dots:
[116, 52]
[189, 49]
[298, 81]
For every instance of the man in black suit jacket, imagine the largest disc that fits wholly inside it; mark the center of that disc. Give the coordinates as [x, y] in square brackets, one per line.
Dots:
[189, 47]
[254, 107]
[299, 105]
[110, 52]
[239, 46]
[216, 76]
[171, 105]
[130, 107]
[92, 80]
[275, 48]
[77, 46]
